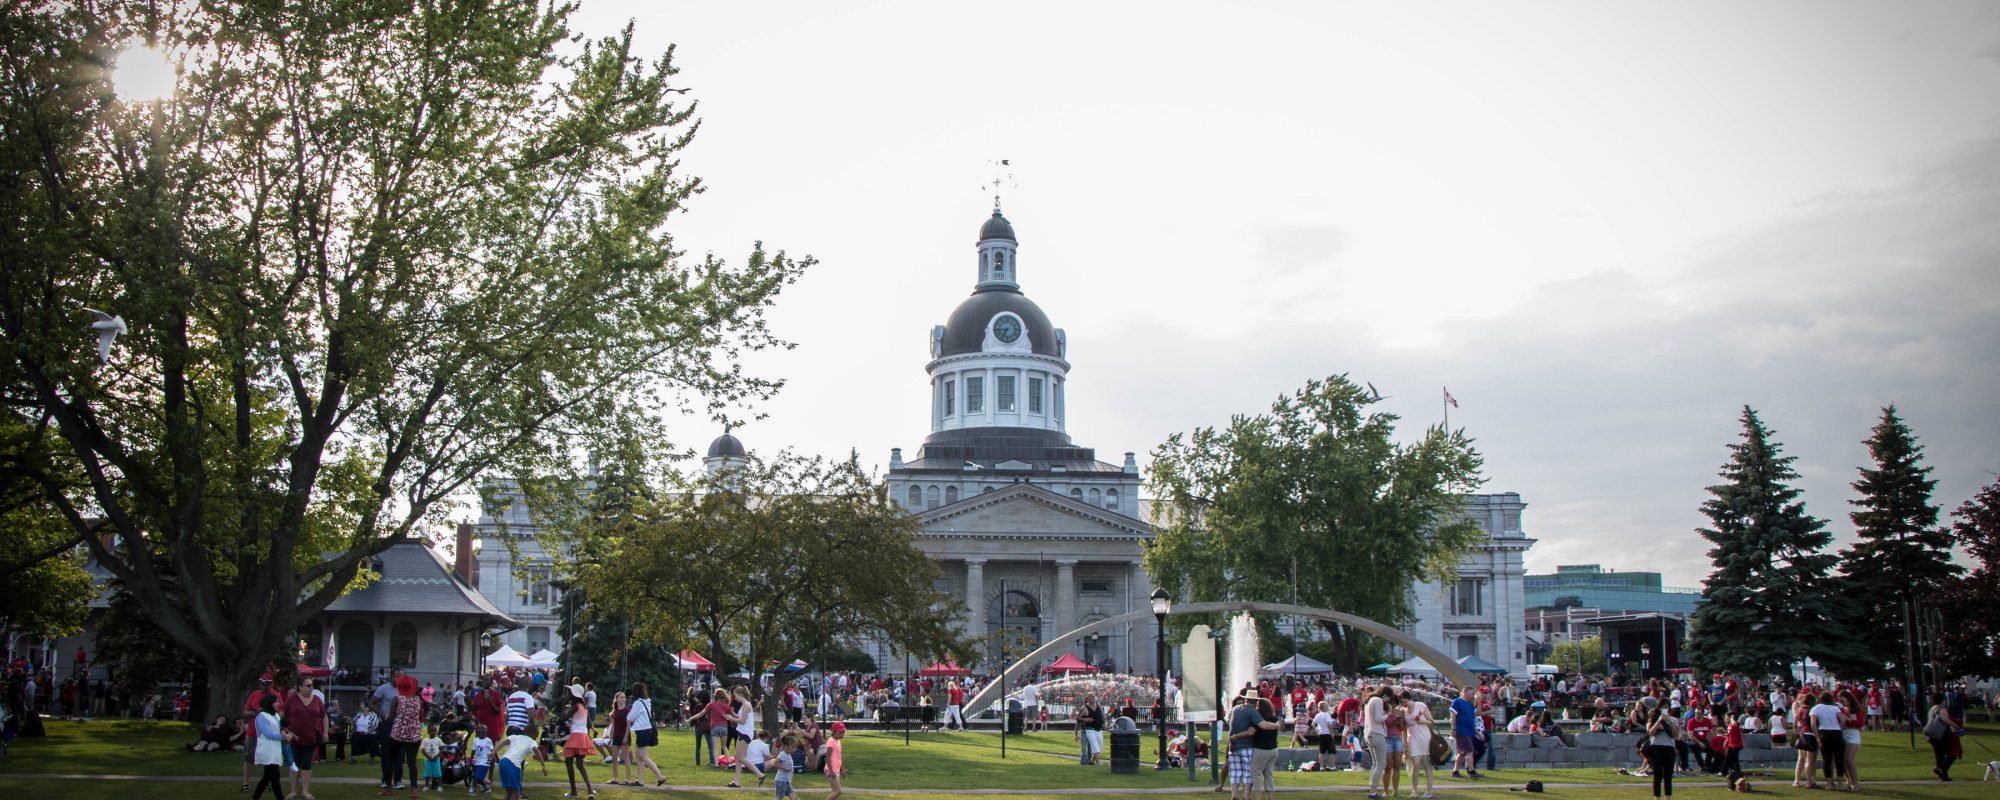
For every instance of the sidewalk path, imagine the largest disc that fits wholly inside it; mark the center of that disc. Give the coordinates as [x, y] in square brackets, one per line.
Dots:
[1193, 790]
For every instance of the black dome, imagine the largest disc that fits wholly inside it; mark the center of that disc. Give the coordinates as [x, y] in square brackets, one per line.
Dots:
[997, 227]
[965, 331]
[726, 445]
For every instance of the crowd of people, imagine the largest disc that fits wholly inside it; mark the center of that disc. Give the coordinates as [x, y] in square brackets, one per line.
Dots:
[468, 737]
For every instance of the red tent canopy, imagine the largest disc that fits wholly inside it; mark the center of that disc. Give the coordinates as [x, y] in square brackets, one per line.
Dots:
[693, 660]
[309, 671]
[943, 668]
[1068, 663]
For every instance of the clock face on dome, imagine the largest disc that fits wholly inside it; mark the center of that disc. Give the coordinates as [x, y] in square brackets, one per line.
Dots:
[1006, 328]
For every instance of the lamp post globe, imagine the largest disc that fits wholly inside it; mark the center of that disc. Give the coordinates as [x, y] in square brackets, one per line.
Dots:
[1163, 604]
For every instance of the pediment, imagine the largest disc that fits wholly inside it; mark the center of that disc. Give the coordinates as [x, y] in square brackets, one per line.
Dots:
[1028, 511]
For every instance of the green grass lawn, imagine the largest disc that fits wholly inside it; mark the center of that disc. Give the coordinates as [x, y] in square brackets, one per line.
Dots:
[944, 762]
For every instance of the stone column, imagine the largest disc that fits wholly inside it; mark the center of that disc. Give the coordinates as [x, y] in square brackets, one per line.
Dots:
[975, 598]
[1065, 598]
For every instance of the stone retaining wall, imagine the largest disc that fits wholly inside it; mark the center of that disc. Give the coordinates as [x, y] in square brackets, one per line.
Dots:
[1591, 750]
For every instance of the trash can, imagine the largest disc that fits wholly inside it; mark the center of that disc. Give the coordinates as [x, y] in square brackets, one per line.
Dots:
[1124, 747]
[1016, 719]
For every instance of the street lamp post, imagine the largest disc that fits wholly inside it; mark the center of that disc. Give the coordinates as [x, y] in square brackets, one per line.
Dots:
[1163, 604]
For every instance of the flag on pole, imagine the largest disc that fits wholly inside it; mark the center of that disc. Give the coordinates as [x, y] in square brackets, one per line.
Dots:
[1449, 399]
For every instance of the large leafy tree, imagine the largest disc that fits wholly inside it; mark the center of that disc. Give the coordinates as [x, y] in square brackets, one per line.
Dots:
[768, 562]
[44, 590]
[1969, 642]
[1770, 599]
[368, 251]
[1314, 501]
[1901, 552]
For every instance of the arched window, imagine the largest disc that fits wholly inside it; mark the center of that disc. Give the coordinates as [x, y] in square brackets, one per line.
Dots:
[1076, 493]
[916, 496]
[403, 645]
[951, 494]
[987, 490]
[1096, 497]
[931, 497]
[999, 265]
[1111, 499]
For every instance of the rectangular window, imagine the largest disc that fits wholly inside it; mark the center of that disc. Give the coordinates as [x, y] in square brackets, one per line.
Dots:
[538, 586]
[1096, 586]
[1465, 600]
[538, 639]
[950, 398]
[1004, 387]
[1034, 395]
[975, 395]
[1468, 646]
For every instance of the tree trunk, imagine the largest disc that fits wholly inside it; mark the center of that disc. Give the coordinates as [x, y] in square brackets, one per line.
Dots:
[229, 684]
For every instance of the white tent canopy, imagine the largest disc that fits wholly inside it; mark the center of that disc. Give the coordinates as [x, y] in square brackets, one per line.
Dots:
[1298, 665]
[544, 659]
[1414, 665]
[506, 657]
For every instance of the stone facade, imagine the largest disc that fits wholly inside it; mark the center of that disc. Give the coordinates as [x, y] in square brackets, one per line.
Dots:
[1481, 615]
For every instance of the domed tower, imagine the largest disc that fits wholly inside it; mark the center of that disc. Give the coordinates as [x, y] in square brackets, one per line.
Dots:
[997, 362]
[999, 371]
[726, 452]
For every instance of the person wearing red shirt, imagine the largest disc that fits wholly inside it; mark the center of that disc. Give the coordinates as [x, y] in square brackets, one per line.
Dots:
[1698, 728]
[1299, 700]
[251, 706]
[1345, 711]
[1732, 748]
[955, 702]
[721, 716]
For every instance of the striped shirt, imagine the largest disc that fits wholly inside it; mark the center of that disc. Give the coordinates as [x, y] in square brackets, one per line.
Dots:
[520, 706]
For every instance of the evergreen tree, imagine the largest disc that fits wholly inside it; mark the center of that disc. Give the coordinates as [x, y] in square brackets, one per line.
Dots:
[1902, 552]
[598, 647]
[1770, 600]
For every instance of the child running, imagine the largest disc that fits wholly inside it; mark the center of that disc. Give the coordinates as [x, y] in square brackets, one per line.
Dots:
[830, 756]
[780, 765]
[482, 758]
[514, 752]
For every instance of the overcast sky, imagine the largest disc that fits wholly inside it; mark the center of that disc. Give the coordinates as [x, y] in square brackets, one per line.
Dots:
[1606, 226]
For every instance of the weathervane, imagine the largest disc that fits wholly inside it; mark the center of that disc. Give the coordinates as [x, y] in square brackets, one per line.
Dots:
[1003, 173]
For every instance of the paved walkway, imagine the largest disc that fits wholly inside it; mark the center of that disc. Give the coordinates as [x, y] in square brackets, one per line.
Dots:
[1486, 786]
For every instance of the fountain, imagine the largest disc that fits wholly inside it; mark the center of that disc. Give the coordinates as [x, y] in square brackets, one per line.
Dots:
[1239, 666]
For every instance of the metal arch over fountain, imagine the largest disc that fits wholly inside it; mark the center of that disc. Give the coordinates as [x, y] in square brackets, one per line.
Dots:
[1450, 669]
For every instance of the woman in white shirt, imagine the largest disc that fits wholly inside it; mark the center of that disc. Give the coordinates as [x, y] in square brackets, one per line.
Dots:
[644, 736]
[1832, 751]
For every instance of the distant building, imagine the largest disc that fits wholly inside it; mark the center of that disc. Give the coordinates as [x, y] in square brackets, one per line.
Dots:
[1561, 605]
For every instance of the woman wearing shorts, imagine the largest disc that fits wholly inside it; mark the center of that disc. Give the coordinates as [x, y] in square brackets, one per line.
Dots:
[644, 736]
[743, 714]
[1397, 725]
[619, 730]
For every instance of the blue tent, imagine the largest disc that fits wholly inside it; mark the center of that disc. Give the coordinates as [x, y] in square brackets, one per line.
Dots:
[1477, 665]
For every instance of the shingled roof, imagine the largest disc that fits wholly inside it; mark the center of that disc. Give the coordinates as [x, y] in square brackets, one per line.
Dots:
[416, 580]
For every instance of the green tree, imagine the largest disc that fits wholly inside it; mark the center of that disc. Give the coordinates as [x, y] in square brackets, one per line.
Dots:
[1769, 600]
[367, 252]
[598, 647]
[1584, 655]
[44, 590]
[1901, 552]
[1969, 641]
[1313, 501]
[772, 562]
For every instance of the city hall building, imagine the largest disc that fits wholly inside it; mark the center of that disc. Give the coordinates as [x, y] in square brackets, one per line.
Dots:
[1034, 533]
